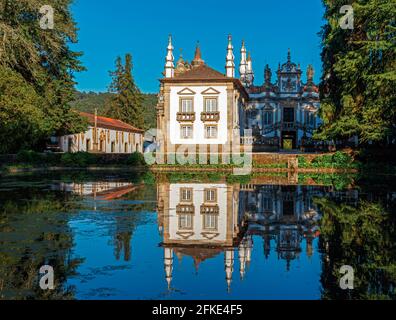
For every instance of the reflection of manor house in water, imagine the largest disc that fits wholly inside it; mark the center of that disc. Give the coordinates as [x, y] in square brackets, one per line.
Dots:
[285, 214]
[105, 190]
[204, 220]
[199, 220]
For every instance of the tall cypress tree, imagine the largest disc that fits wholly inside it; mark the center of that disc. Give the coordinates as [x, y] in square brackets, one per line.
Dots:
[126, 103]
[358, 85]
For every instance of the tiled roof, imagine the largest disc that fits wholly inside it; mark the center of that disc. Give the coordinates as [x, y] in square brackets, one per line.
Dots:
[201, 72]
[110, 123]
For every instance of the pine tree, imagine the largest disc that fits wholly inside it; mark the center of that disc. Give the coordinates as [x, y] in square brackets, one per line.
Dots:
[358, 85]
[126, 103]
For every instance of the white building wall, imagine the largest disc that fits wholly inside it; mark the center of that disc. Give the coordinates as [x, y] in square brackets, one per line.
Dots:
[198, 200]
[79, 141]
[198, 125]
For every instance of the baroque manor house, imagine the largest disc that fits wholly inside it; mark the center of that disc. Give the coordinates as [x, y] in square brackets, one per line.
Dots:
[206, 110]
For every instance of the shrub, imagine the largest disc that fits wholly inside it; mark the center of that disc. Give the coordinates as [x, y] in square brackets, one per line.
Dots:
[323, 161]
[136, 159]
[342, 159]
[52, 158]
[302, 162]
[78, 159]
[29, 156]
[338, 160]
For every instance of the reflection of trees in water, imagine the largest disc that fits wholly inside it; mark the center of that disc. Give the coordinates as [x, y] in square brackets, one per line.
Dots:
[363, 237]
[127, 222]
[35, 233]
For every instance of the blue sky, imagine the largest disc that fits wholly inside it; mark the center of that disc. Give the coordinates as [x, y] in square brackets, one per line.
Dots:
[111, 28]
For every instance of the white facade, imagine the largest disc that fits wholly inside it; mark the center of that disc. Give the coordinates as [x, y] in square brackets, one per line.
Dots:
[198, 95]
[108, 141]
[199, 106]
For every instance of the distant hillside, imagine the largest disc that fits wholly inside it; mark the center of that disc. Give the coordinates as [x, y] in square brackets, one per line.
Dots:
[88, 101]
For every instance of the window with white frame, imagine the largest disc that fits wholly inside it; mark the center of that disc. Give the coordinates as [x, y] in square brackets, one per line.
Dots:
[185, 221]
[186, 132]
[210, 221]
[210, 195]
[210, 104]
[186, 105]
[210, 132]
[186, 195]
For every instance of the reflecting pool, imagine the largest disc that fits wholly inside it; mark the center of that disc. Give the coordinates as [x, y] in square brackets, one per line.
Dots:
[111, 235]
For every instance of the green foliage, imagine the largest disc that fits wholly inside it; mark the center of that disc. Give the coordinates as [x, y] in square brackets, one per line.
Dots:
[136, 159]
[339, 160]
[242, 179]
[39, 222]
[302, 162]
[176, 177]
[126, 102]
[338, 181]
[89, 101]
[78, 159]
[36, 75]
[363, 237]
[358, 87]
[324, 161]
[149, 178]
[29, 156]
[22, 119]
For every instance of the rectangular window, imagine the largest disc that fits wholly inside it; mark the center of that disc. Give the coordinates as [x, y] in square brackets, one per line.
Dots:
[210, 132]
[186, 195]
[186, 132]
[210, 195]
[210, 221]
[288, 114]
[185, 221]
[210, 105]
[186, 105]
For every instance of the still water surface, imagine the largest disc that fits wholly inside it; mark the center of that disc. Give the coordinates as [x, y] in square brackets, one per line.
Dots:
[128, 236]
